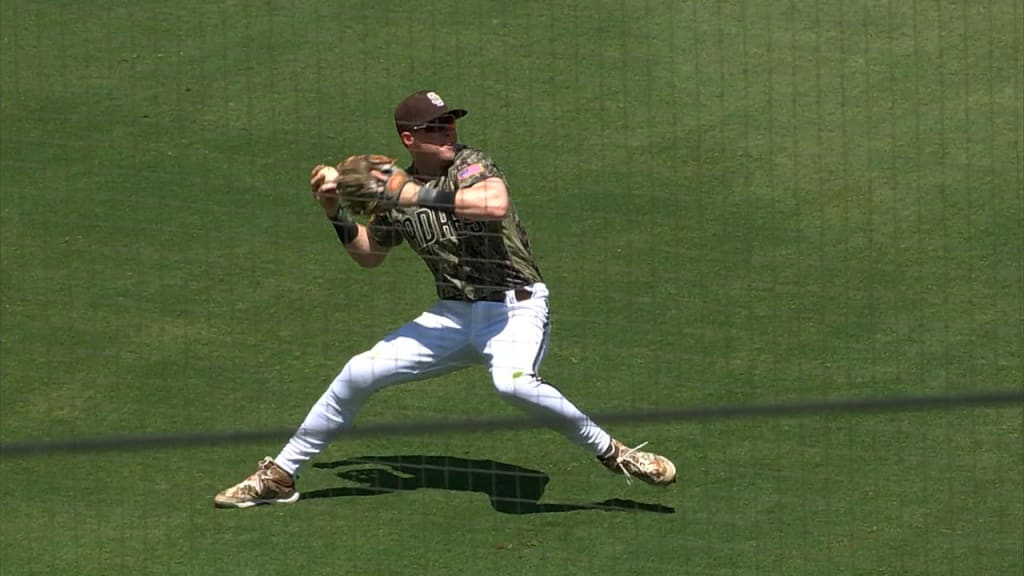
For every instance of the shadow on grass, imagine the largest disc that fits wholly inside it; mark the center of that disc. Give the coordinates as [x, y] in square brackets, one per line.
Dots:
[511, 489]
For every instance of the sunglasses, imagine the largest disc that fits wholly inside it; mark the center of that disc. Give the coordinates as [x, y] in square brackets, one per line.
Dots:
[436, 126]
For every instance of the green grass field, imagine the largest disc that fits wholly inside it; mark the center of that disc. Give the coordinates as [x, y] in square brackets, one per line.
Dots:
[732, 202]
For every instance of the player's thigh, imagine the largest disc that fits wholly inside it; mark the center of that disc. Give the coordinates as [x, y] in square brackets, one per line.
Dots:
[434, 343]
[516, 339]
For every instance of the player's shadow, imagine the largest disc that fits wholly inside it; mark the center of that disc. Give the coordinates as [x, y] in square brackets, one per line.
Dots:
[511, 489]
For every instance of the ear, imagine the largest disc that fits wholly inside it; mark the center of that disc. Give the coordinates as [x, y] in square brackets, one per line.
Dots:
[407, 138]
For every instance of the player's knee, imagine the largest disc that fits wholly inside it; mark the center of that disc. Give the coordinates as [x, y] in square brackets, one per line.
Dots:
[358, 373]
[514, 383]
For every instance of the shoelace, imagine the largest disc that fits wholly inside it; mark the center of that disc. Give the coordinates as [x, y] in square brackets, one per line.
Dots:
[619, 458]
[256, 481]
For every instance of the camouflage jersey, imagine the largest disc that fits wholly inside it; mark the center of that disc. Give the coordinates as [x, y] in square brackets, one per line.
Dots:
[468, 258]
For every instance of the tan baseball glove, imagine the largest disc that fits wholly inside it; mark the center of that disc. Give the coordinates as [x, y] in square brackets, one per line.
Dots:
[362, 192]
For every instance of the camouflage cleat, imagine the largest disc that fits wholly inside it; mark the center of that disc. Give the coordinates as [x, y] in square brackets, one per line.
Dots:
[647, 466]
[270, 484]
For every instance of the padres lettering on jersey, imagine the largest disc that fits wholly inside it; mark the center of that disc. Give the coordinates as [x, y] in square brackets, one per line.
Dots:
[468, 258]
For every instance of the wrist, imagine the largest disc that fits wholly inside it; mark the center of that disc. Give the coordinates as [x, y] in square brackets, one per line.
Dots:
[407, 193]
[331, 209]
[346, 228]
[432, 196]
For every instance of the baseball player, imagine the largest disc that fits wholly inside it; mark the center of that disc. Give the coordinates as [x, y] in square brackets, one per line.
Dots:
[452, 207]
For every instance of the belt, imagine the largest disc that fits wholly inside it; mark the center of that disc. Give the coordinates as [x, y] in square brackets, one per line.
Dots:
[521, 294]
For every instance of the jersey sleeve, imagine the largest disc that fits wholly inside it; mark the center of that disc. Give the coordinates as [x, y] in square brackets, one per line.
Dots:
[472, 167]
[384, 230]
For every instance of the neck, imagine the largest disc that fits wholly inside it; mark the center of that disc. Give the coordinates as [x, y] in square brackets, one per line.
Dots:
[429, 167]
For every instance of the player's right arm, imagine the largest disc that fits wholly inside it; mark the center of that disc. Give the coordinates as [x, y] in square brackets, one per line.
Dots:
[364, 248]
[358, 239]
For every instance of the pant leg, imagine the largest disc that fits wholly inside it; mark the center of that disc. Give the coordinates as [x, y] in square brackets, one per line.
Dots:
[513, 338]
[435, 343]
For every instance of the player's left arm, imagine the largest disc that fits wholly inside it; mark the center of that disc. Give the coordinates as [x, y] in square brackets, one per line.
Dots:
[486, 199]
[477, 192]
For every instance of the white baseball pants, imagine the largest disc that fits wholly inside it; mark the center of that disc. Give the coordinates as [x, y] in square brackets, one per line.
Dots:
[510, 338]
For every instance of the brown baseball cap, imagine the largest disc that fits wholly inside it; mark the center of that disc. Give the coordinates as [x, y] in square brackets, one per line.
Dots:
[419, 108]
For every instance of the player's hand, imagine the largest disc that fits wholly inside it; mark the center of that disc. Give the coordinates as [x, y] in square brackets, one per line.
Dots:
[324, 181]
[392, 183]
[369, 183]
[324, 184]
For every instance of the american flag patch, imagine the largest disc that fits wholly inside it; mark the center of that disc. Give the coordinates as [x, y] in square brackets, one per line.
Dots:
[470, 170]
